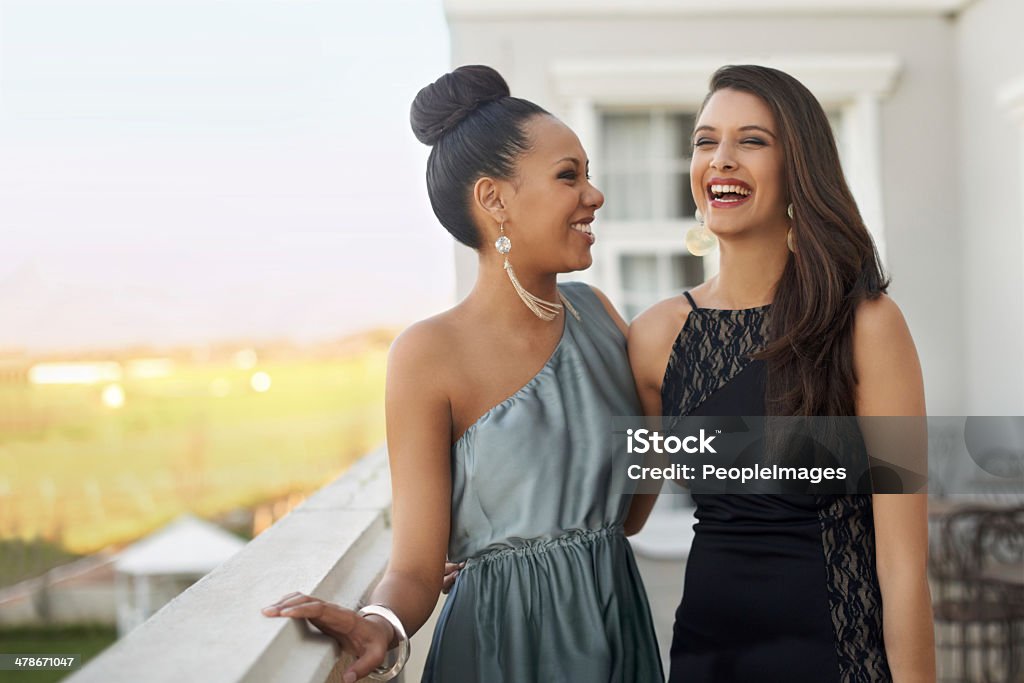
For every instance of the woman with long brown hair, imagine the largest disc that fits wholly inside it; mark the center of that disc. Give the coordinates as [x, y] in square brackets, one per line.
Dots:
[796, 323]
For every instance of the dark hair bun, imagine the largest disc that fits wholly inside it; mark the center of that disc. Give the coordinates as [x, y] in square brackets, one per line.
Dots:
[440, 106]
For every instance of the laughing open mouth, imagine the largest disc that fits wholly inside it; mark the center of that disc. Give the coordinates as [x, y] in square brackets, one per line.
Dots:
[583, 227]
[731, 192]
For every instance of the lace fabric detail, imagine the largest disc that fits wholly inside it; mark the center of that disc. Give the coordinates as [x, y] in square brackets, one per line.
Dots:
[855, 599]
[712, 348]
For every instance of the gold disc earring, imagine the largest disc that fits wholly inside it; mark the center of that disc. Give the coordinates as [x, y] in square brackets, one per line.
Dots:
[789, 233]
[700, 241]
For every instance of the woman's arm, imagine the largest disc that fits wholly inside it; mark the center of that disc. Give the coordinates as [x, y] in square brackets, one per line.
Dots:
[419, 438]
[651, 336]
[641, 504]
[889, 383]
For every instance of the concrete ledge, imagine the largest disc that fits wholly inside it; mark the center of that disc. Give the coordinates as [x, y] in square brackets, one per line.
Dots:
[334, 546]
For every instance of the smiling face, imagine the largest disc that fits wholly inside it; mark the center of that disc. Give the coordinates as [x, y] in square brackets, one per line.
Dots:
[737, 173]
[550, 204]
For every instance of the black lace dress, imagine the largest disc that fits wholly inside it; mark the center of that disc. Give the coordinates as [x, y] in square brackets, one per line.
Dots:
[779, 588]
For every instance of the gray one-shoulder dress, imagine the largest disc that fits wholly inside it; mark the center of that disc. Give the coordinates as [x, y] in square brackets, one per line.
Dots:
[550, 591]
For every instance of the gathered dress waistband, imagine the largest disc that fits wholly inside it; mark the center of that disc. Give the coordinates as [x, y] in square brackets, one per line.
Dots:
[537, 546]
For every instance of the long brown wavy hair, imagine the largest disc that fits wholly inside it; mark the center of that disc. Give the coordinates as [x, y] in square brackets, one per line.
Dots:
[809, 356]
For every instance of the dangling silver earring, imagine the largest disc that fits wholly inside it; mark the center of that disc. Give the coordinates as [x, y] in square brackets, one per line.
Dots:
[789, 233]
[545, 310]
[700, 241]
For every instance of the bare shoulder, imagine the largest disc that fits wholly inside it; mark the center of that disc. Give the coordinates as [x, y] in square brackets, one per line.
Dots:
[422, 339]
[662, 320]
[423, 351]
[878, 324]
[610, 308]
[885, 361]
[878, 315]
[651, 337]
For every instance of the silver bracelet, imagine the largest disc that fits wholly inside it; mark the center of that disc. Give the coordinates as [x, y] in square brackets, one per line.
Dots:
[383, 673]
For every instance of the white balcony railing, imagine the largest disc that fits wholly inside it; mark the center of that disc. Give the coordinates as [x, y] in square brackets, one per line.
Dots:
[333, 546]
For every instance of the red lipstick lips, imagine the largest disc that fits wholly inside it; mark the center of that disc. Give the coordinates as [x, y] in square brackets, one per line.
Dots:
[728, 193]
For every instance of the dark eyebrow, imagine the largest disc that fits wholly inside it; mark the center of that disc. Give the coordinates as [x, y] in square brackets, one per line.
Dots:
[574, 160]
[760, 128]
[750, 127]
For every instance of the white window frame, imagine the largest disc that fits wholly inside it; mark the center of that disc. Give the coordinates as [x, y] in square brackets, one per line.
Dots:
[625, 237]
[852, 85]
[660, 167]
[662, 249]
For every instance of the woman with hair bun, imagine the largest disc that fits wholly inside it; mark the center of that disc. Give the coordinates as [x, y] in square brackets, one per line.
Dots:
[788, 588]
[498, 414]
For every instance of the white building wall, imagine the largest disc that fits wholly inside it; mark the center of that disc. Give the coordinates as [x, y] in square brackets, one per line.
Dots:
[990, 234]
[918, 146]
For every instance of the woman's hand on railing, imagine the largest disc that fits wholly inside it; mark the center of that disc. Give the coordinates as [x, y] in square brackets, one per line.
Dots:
[368, 638]
[451, 571]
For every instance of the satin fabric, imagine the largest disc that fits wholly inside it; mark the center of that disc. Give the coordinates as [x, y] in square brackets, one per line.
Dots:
[550, 591]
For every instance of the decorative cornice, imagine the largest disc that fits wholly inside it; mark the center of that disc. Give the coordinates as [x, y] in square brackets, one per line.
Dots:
[833, 78]
[566, 9]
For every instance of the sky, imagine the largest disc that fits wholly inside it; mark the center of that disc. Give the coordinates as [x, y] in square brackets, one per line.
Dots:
[188, 172]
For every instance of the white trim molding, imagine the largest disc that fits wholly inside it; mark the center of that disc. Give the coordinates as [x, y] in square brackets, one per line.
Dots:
[575, 9]
[834, 79]
[1011, 99]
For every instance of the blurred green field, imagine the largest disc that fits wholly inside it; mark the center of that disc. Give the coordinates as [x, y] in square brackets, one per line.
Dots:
[84, 475]
[85, 640]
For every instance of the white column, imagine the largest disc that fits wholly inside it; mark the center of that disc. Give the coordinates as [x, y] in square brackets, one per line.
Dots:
[584, 120]
[862, 155]
[1011, 99]
[124, 600]
[466, 262]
